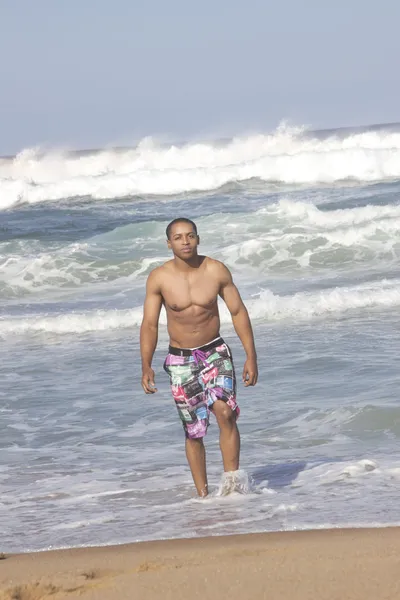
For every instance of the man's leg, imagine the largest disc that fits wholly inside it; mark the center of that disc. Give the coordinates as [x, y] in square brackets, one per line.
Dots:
[229, 438]
[196, 455]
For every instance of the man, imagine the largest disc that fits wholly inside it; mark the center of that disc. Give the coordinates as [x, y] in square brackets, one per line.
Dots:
[199, 362]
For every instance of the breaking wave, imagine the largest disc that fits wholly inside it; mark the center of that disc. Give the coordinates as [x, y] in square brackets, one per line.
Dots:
[267, 306]
[287, 156]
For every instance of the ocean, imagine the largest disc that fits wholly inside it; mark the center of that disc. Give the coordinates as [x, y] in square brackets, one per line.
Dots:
[309, 224]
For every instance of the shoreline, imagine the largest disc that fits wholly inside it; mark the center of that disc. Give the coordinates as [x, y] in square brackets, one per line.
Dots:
[310, 529]
[325, 564]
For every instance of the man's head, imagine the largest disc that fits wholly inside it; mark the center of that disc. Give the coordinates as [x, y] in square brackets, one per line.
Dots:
[182, 238]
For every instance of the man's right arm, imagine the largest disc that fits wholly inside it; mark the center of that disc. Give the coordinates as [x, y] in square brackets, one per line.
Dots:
[149, 330]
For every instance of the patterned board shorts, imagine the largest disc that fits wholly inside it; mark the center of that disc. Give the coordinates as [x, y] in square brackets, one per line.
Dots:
[198, 378]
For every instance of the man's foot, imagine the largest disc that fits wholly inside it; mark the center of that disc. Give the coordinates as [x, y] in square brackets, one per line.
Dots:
[203, 493]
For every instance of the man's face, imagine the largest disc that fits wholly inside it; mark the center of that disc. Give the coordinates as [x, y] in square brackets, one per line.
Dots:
[183, 241]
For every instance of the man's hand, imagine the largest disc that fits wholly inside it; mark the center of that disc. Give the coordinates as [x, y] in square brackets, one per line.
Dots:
[148, 381]
[250, 372]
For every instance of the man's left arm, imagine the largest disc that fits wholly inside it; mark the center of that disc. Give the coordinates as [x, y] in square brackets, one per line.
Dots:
[241, 322]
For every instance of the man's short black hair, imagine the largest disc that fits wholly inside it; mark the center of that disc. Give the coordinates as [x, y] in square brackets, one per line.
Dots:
[180, 220]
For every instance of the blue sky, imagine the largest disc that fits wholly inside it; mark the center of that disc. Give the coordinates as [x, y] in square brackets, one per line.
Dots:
[87, 73]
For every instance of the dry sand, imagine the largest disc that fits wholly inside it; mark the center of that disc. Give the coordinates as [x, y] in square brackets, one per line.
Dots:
[339, 564]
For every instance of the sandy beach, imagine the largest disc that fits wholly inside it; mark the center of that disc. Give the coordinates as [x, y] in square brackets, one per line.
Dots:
[340, 564]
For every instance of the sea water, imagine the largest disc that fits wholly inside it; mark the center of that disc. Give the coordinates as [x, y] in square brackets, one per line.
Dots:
[309, 224]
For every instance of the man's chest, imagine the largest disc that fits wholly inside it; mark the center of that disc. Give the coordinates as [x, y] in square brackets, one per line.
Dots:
[180, 293]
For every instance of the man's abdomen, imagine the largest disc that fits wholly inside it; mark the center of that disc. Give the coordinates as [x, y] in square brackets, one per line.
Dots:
[193, 329]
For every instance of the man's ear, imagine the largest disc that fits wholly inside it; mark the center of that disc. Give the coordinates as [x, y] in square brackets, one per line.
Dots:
[198, 240]
[168, 244]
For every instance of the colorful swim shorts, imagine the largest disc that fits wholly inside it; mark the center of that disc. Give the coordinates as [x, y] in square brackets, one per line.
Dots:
[199, 377]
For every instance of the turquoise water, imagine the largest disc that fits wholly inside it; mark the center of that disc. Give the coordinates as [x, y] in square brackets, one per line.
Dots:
[310, 227]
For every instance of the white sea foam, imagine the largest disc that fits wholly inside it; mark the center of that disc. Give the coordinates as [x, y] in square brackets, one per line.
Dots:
[298, 234]
[98, 320]
[326, 474]
[309, 214]
[285, 156]
[334, 301]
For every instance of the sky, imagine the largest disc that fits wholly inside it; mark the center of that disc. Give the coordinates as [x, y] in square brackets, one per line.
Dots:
[89, 73]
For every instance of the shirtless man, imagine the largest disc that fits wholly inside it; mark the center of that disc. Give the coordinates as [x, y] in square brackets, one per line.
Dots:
[199, 362]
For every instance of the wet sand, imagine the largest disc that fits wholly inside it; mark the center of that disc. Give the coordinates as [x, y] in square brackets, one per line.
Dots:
[338, 564]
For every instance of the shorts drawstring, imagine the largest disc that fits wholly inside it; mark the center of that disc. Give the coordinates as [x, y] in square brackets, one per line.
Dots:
[199, 355]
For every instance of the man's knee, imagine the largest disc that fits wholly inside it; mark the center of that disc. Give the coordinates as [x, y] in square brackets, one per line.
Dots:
[195, 441]
[226, 417]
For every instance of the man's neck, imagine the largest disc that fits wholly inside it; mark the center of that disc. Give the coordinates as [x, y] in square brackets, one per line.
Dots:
[187, 265]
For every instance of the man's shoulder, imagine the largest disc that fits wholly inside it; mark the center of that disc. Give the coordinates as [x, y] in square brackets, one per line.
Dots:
[159, 272]
[216, 265]
[218, 271]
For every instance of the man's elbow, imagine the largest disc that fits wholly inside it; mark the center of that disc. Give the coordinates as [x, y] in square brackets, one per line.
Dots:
[239, 311]
[148, 327]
